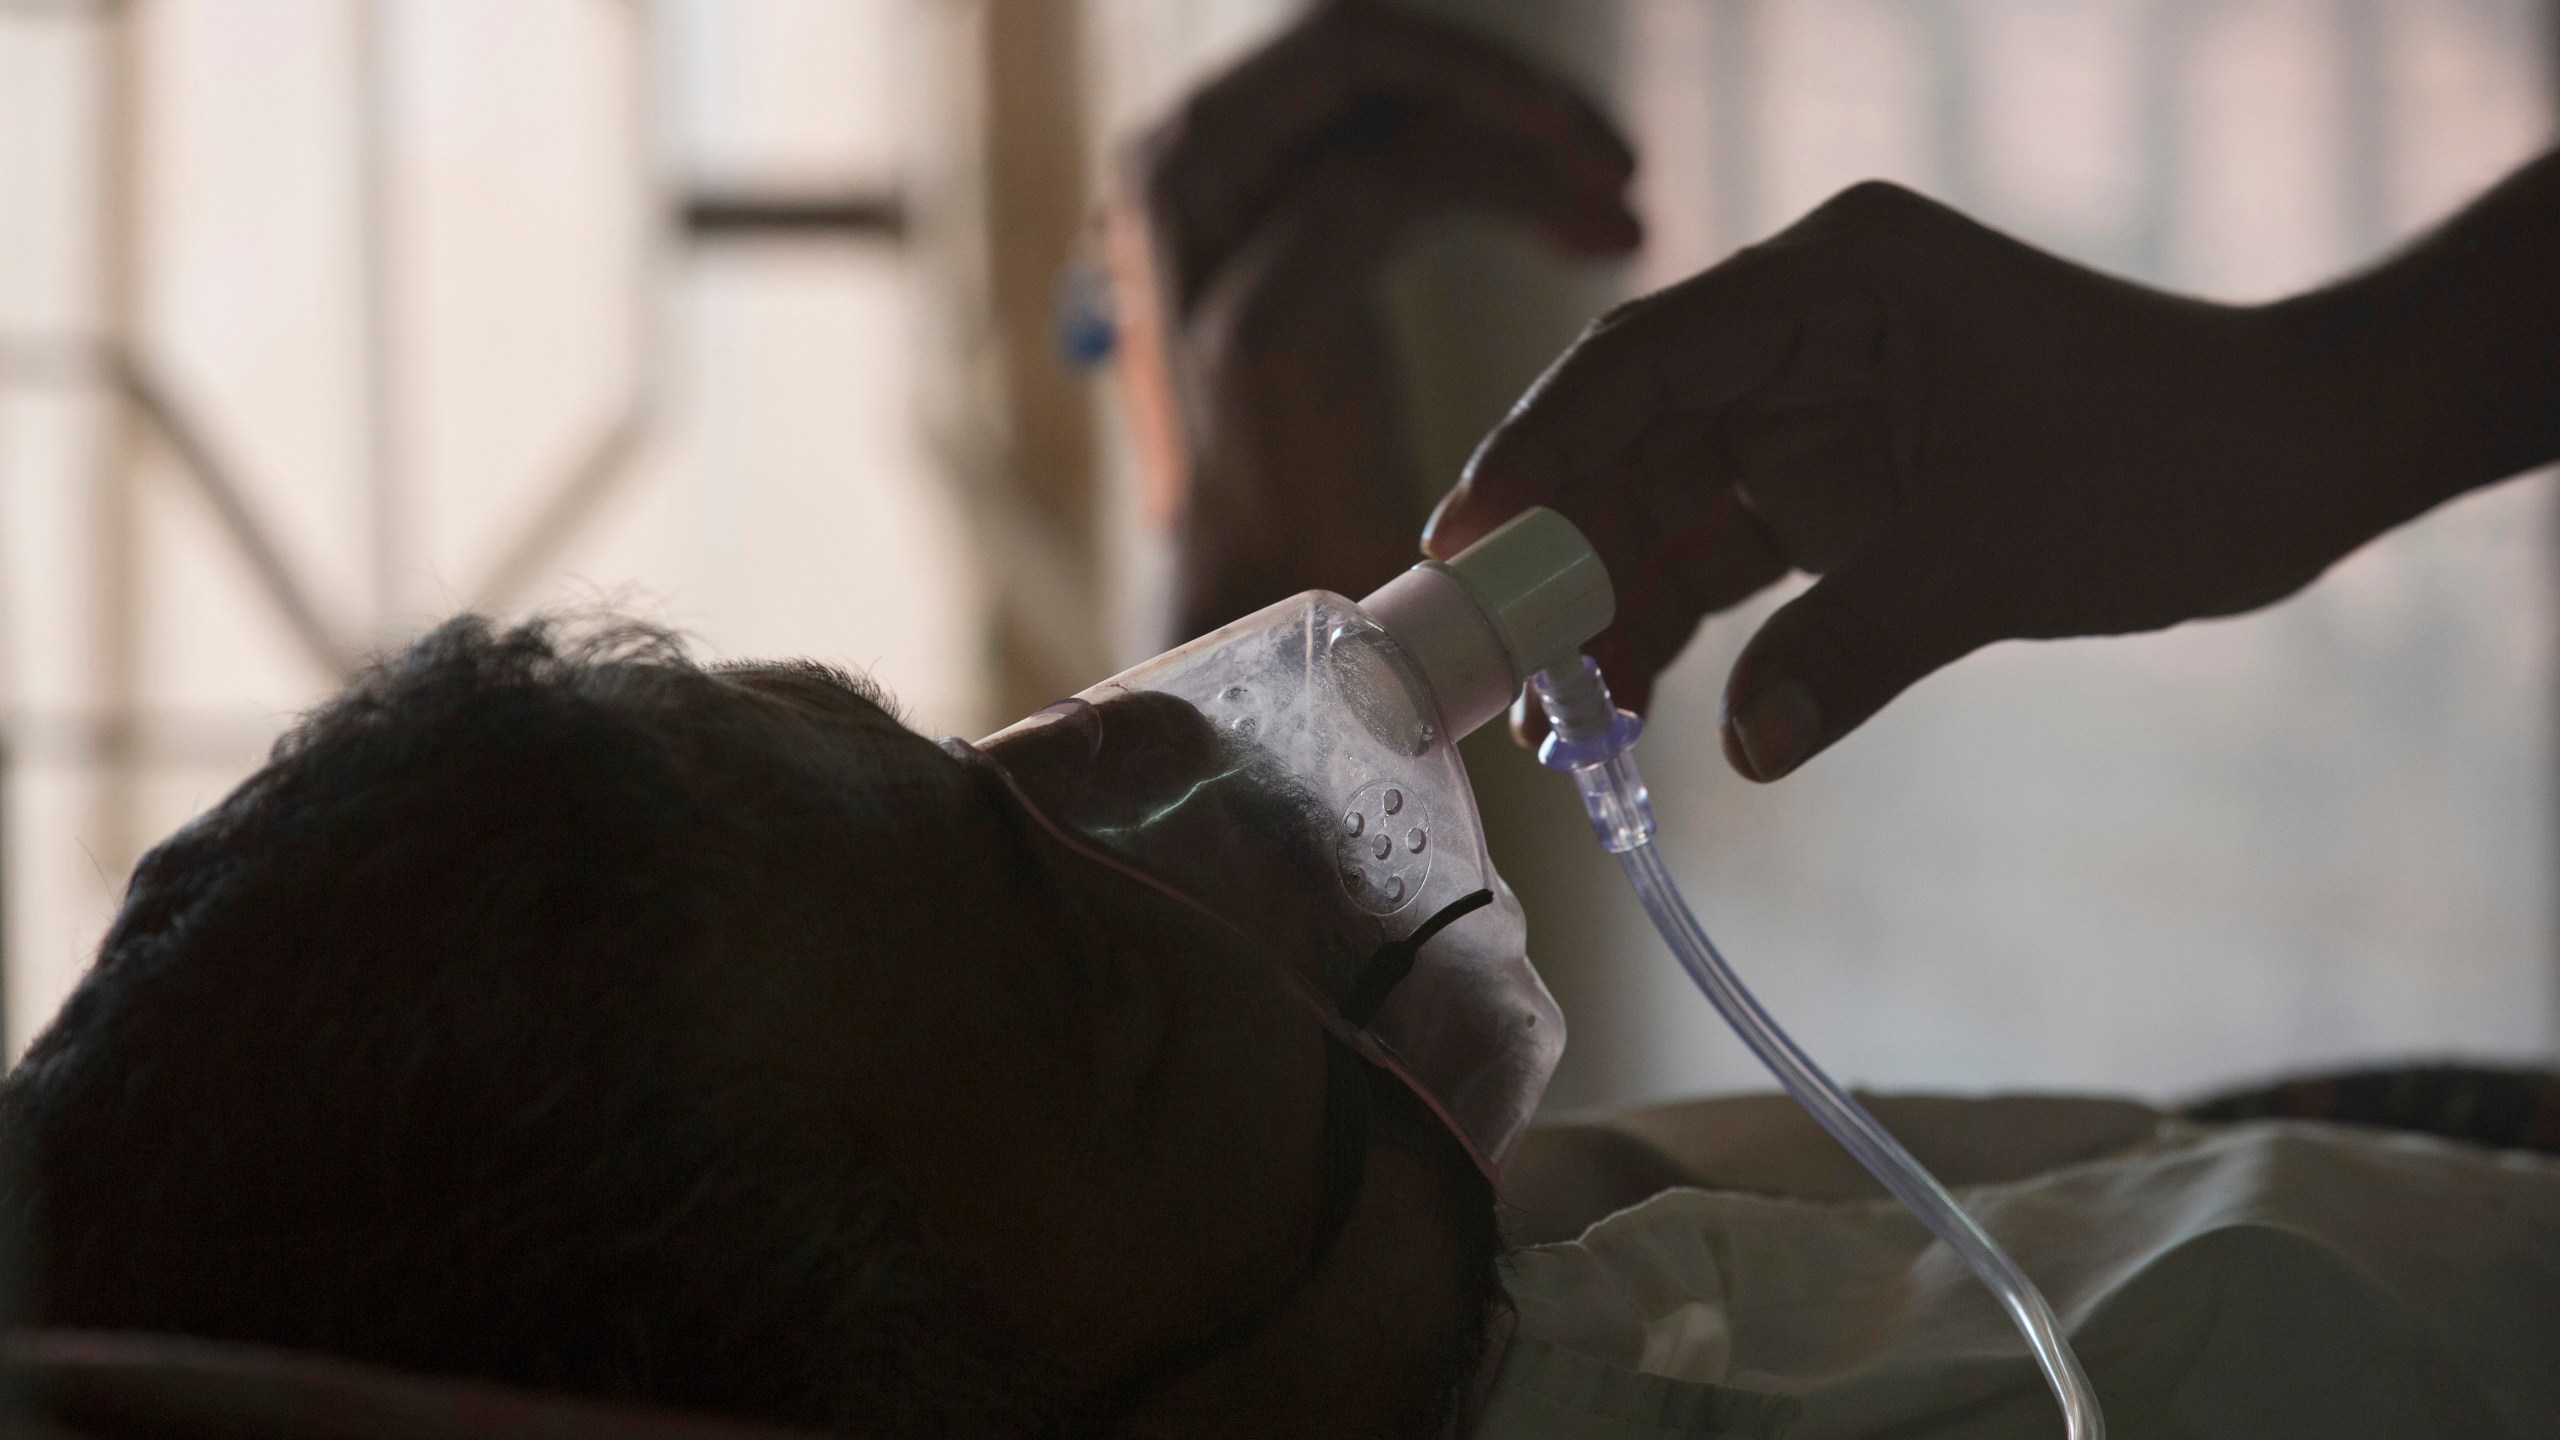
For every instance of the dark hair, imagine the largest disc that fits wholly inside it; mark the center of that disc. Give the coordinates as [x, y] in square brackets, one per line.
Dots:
[383, 1058]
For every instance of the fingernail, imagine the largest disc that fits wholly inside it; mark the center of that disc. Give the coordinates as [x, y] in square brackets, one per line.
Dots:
[1431, 537]
[1528, 722]
[1776, 729]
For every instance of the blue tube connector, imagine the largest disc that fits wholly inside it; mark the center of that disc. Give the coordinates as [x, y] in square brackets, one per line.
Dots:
[1593, 741]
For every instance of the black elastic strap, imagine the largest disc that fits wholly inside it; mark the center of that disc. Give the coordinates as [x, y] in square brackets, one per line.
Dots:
[1394, 960]
[1346, 1145]
[1346, 1166]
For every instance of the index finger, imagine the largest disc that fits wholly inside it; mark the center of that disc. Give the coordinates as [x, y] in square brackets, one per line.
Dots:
[1673, 360]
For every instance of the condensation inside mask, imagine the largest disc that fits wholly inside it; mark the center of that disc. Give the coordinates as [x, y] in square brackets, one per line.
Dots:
[1289, 775]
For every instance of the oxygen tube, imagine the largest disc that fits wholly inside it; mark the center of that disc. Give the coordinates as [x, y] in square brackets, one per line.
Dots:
[1518, 605]
[1594, 741]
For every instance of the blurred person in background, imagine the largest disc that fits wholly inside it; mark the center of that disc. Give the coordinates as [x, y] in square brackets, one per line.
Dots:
[1249, 246]
[561, 1013]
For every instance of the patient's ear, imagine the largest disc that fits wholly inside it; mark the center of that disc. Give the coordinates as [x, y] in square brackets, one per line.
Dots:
[1562, 1179]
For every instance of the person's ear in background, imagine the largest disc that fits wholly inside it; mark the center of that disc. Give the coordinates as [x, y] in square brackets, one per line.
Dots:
[1249, 242]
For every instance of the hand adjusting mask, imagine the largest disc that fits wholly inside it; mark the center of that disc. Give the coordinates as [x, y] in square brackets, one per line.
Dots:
[1295, 777]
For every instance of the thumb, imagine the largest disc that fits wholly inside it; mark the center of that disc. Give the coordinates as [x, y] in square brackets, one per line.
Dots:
[1836, 654]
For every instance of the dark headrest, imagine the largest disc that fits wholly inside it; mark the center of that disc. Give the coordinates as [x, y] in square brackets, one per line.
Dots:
[95, 1385]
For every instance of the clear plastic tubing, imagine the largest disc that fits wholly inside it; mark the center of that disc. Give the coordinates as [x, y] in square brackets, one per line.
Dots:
[1593, 740]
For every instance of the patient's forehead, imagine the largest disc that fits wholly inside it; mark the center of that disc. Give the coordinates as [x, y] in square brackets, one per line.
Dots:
[853, 807]
[820, 693]
[860, 738]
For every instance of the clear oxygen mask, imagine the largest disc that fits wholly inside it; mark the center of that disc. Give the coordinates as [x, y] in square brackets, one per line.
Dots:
[1295, 776]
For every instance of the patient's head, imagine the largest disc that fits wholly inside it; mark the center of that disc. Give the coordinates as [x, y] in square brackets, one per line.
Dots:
[560, 1012]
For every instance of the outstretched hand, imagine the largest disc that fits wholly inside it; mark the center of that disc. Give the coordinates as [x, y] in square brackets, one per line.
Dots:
[1969, 440]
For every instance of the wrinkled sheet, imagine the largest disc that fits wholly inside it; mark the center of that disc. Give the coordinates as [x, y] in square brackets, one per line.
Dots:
[2268, 1279]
